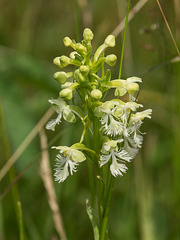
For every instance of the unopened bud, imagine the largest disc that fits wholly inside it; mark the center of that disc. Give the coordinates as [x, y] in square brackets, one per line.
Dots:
[81, 49]
[132, 88]
[96, 94]
[73, 55]
[88, 34]
[118, 111]
[78, 76]
[66, 85]
[110, 41]
[61, 77]
[111, 60]
[120, 91]
[67, 41]
[64, 61]
[84, 70]
[66, 93]
[56, 62]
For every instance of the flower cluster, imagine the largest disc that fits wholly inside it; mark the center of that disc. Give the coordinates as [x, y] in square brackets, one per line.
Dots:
[120, 122]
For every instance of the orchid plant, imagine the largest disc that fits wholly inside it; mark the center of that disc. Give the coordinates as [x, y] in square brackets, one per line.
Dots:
[113, 125]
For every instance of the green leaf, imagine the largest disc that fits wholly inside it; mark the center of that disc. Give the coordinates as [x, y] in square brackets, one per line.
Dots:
[93, 218]
[107, 76]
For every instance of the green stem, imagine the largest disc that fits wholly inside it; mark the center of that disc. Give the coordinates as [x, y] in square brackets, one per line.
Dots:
[90, 172]
[21, 230]
[76, 16]
[106, 210]
[96, 142]
[124, 38]
[111, 181]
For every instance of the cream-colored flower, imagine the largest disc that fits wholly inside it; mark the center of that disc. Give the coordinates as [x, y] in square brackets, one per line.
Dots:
[62, 110]
[111, 151]
[66, 162]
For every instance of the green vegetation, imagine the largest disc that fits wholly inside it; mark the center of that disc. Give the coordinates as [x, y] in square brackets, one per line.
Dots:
[145, 201]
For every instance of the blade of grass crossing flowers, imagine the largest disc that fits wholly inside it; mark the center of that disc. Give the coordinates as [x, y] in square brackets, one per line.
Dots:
[124, 39]
[76, 18]
[132, 13]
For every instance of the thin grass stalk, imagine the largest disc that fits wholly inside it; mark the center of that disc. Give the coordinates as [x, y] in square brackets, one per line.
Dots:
[168, 27]
[132, 13]
[21, 228]
[76, 18]
[45, 171]
[7, 152]
[11, 161]
[124, 39]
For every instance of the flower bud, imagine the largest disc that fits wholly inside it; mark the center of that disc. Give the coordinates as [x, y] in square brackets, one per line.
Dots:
[56, 62]
[67, 41]
[88, 34]
[132, 88]
[118, 111]
[80, 48]
[73, 55]
[110, 41]
[64, 61]
[61, 77]
[66, 93]
[96, 94]
[78, 76]
[133, 80]
[66, 85]
[120, 91]
[111, 60]
[84, 70]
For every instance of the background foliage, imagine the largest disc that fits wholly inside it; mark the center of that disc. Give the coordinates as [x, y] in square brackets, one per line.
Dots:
[145, 203]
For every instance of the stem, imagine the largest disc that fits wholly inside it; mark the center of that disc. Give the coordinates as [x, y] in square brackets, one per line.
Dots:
[96, 141]
[107, 206]
[111, 181]
[124, 38]
[21, 230]
[76, 18]
[102, 70]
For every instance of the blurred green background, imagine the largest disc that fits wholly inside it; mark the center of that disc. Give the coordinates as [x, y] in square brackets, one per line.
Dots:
[146, 200]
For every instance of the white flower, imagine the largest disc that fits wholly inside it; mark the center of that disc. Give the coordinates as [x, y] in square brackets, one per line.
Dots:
[130, 147]
[117, 168]
[63, 165]
[115, 115]
[139, 116]
[66, 162]
[111, 126]
[129, 85]
[111, 151]
[132, 136]
[62, 110]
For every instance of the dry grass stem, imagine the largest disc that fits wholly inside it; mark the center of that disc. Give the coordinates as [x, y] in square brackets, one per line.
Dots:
[132, 13]
[46, 175]
[168, 27]
[25, 143]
